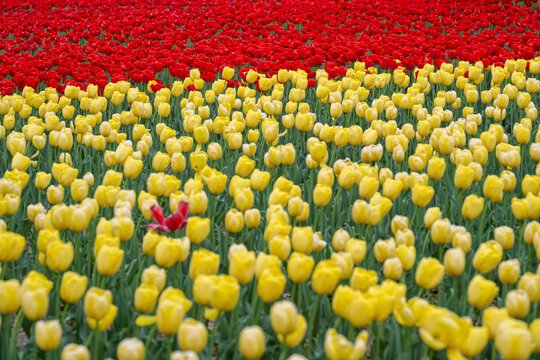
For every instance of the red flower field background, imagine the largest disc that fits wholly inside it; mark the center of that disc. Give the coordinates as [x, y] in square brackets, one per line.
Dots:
[72, 42]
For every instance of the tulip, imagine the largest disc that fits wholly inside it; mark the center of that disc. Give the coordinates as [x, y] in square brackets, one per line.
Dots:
[130, 349]
[481, 292]
[432, 214]
[11, 246]
[192, 335]
[72, 287]
[109, 260]
[10, 293]
[294, 338]
[325, 277]
[429, 273]
[492, 317]
[440, 232]
[299, 267]
[337, 347]
[509, 271]
[153, 275]
[184, 355]
[475, 341]
[406, 255]
[75, 352]
[271, 284]
[280, 246]
[392, 268]
[488, 256]
[454, 261]
[224, 293]
[252, 218]
[531, 284]
[242, 266]
[97, 303]
[283, 317]
[132, 167]
[169, 315]
[517, 302]
[514, 341]
[35, 303]
[48, 334]
[472, 207]
[493, 188]
[302, 239]
[145, 298]
[203, 262]
[234, 221]
[197, 229]
[463, 177]
[59, 255]
[422, 194]
[322, 194]
[357, 249]
[252, 342]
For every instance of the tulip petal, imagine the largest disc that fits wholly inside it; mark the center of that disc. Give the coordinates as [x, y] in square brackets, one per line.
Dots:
[145, 320]
[157, 213]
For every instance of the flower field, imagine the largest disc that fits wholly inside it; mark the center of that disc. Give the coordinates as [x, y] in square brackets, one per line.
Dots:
[261, 180]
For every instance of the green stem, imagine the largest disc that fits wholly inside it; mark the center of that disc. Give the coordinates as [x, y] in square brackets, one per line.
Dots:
[312, 320]
[378, 340]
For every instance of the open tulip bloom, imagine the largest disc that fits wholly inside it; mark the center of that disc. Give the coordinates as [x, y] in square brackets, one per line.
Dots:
[176, 221]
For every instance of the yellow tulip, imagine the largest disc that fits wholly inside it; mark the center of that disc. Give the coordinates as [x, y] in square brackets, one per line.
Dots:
[130, 349]
[48, 334]
[192, 335]
[481, 292]
[252, 342]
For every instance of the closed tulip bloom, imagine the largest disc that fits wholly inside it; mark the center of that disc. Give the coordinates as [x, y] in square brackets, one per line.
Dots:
[146, 296]
[35, 303]
[509, 271]
[224, 293]
[325, 277]
[481, 292]
[475, 341]
[252, 218]
[132, 167]
[384, 249]
[234, 221]
[436, 168]
[362, 279]
[130, 349]
[406, 255]
[197, 229]
[429, 273]
[322, 194]
[10, 293]
[109, 260]
[493, 188]
[192, 335]
[243, 198]
[422, 194]
[79, 190]
[153, 275]
[514, 341]
[242, 266]
[432, 214]
[504, 235]
[75, 352]
[346, 178]
[302, 239]
[203, 262]
[517, 302]
[252, 342]
[488, 256]
[97, 303]
[283, 317]
[357, 249]
[472, 207]
[72, 287]
[454, 261]
[48, 334]
[59, 255]
[299, 267]
[463, 177]
[11, 246]
[280, 246]
[531, 284]
[43, 180]
[392, 268]
[259, 179]
[169, 315]
[440, 232]
[271, 284]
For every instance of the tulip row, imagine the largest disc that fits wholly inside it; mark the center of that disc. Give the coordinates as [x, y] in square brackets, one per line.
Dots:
[379, 214]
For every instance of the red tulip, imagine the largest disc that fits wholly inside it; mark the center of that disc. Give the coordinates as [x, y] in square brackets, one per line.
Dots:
[176, 221]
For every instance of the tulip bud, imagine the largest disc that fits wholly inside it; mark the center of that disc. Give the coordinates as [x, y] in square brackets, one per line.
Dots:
[192, 335]
[48, 334]
[481, 292]
[252, 342]
[283, 317]
[429, 273]
[130, 349]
